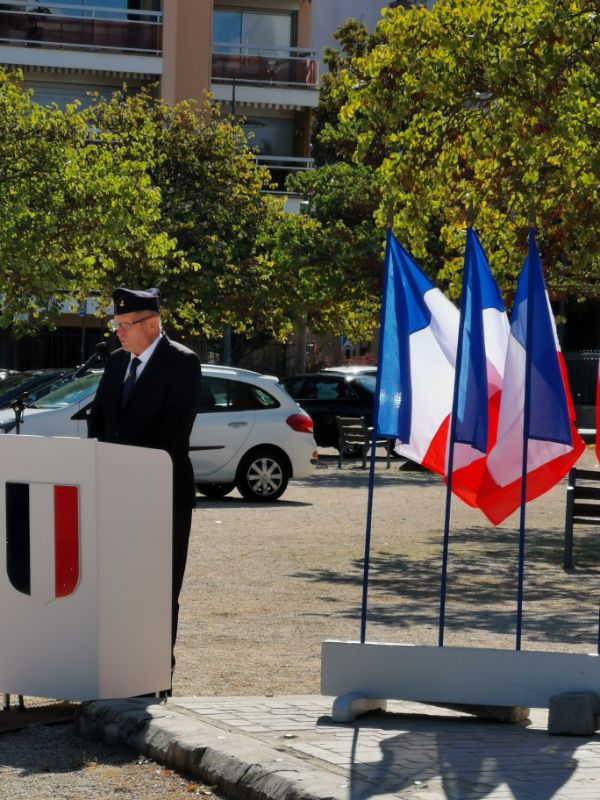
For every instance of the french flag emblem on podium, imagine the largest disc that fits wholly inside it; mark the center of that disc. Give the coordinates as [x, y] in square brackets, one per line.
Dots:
[42, 539]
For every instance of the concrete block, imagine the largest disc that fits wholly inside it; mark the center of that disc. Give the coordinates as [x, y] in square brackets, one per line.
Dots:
[573, 714]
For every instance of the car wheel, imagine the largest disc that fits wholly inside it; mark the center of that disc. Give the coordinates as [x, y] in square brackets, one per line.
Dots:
[262, 476]
[215, 490]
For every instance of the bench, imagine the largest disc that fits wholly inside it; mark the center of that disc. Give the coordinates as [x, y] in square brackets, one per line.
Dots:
[354, 432]
[583, 506]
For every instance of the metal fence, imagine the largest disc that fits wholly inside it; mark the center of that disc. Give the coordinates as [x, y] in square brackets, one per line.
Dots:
[582, 369]
[96, 28]
[65, 347]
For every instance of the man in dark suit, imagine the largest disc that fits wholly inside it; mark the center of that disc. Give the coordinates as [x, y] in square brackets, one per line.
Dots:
[148, 397]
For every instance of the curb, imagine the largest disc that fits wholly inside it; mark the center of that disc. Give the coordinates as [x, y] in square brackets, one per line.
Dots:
[243, 767]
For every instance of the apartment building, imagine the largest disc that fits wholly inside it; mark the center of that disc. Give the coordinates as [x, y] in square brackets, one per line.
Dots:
[260, 59]
[254, 56]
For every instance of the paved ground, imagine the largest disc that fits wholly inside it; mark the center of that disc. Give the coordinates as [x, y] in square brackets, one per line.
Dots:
[266, 584]
[287, 748]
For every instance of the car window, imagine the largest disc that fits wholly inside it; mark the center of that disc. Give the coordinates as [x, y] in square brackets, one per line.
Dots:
[224, 394]
[35, 394]
[70, 392]
[12, 382]
[368, 382]
[263, 399]
[295, 387]
[329, 390]
[305, 389]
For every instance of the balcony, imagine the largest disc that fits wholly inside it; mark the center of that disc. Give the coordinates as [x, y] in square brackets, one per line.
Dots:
[95, 28]
[294, 67]
[282, 166]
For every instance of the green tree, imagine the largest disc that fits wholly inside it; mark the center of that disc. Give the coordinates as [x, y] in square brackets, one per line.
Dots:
[68, 211]
[133, 191]
[331, 254]
[489, 103]
[212, 206]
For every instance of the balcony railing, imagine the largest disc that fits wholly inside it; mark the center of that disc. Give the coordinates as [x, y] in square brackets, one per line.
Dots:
[293, 66]
[282, 166]
[83, 27]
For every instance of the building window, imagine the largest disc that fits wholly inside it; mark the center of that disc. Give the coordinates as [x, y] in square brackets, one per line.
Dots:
[248, 31]
[270, 135]
[99, 9]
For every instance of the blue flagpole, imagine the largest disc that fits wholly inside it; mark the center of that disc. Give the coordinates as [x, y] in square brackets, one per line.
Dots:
[452, 434]
[443, 583]
[366, 562]
[367, 553]
[526, 416]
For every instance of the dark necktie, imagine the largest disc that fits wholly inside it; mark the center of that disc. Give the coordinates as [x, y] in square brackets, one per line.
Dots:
[129, 380]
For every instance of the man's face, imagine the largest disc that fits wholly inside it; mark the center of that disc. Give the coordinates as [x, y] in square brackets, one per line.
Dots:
[137, 330]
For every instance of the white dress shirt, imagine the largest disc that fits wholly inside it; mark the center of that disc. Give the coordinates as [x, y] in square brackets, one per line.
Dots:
[143, 357]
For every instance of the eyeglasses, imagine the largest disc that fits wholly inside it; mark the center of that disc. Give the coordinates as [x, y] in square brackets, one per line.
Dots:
[125, 326]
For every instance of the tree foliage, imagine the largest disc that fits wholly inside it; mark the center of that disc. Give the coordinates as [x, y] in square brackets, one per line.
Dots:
[131, 191]
[491, 104]
[212, 207]
[332, 252]
[67, 211]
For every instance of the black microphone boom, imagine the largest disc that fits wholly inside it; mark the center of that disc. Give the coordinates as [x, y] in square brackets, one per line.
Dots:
[99, 355]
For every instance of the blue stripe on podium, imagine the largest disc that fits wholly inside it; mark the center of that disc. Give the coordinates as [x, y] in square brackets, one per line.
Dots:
[18, 548]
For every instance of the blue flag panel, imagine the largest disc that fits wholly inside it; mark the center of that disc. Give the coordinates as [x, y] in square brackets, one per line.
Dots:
[404, 312]
[548, 418]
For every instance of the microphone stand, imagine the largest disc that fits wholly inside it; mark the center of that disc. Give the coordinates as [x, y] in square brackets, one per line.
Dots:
[18, 406]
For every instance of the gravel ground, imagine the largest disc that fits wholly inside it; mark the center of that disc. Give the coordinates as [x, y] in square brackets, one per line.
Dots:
[266, 584]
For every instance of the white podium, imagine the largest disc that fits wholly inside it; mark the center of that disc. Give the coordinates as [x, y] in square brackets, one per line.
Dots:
[85, 568]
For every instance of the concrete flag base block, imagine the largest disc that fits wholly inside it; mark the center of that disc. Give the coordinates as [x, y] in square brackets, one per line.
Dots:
[573, 713]
[494, 684]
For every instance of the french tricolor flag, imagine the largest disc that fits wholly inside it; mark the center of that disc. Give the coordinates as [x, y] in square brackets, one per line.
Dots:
[482, 345]
[42, 539]
[419, 332]
[536, 420]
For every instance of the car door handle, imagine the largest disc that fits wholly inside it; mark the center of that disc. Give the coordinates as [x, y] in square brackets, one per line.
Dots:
[236, 424]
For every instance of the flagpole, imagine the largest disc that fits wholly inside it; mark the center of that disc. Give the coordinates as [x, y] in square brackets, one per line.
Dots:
[443, 583]
[526, 420]
[450, 469]
[370, 492]
[366, 564]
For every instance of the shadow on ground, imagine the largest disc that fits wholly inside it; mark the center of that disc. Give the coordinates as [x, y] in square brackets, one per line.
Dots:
[426, 756]
[559, 605]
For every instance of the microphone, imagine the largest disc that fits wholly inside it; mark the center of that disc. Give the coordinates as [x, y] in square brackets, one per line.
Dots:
[99, 355]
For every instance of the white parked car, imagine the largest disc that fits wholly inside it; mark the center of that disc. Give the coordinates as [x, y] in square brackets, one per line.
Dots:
[248, 433]
[60, 412]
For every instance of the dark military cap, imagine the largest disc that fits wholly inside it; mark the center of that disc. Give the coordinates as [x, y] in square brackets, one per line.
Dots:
[128, 300]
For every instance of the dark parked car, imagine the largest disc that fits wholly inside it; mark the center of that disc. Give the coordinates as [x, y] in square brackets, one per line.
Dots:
[326, 395]
[7, 373]
[36, 382]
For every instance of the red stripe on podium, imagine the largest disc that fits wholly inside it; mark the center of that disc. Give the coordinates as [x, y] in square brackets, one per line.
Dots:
[66, 539]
